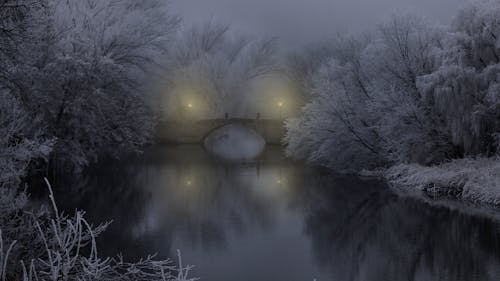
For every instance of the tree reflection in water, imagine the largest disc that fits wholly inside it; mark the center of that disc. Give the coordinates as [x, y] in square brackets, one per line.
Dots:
[363, 232]
[322, 225]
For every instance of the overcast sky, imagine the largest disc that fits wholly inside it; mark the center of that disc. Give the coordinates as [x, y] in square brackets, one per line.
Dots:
[297, 22]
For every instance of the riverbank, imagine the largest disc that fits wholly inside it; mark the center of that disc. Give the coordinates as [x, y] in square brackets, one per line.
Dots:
[471, 180]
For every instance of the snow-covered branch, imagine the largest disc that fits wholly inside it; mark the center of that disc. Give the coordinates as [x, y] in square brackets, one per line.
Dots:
[50, 245]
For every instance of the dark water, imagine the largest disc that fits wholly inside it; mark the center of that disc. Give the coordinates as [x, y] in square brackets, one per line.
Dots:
[274, 220]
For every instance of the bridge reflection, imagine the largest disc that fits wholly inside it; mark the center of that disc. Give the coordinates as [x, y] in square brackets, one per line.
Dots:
[190, 132]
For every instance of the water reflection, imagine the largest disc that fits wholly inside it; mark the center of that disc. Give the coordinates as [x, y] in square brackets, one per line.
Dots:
[376, 235]
[273, 220]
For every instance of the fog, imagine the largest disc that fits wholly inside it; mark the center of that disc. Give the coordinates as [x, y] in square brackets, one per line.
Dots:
[362, 143]
[303, 21]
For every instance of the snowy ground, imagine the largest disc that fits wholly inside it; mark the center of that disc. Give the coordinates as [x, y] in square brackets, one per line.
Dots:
[474, 180]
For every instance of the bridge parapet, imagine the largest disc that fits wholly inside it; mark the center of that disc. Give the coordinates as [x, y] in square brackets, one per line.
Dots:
[195, 131]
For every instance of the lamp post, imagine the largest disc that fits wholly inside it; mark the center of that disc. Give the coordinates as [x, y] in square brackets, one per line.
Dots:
[280, 105]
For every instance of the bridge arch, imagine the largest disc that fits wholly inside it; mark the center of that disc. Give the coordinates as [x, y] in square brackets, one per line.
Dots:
[248, 123]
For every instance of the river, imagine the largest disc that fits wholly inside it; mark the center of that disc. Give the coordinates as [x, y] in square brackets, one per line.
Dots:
[272, 219]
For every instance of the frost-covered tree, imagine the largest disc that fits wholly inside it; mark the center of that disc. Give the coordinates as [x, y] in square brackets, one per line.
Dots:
[405, 51]
[302, 65]
[212, 68]
[366, 107]
[80, 72]
[332, 130]
[337, 127]
[413, 93]
[17, 151]
[16, 20]
[465, 90]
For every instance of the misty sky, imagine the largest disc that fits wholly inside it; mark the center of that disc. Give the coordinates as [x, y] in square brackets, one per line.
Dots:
[297, 22]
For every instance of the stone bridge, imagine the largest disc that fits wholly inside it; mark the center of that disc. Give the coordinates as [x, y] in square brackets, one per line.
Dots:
[195, 131]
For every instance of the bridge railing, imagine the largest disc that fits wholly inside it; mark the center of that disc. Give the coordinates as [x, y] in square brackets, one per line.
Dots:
[194, 131]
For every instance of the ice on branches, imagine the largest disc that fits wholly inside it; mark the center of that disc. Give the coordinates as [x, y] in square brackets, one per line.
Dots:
[55, 246]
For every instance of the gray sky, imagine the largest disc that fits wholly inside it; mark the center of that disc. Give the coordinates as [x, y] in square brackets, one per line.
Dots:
[297, 22]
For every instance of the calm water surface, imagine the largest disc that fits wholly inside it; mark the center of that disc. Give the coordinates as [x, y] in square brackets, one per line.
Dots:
[274, 220]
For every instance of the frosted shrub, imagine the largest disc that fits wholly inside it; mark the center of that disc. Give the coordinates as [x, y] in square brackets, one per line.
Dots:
[64, 247]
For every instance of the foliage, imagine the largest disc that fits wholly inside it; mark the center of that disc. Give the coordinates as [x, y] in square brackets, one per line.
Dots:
[465, 88]
[212, 68]
[16, 150]
[78, 69]
[409, 93]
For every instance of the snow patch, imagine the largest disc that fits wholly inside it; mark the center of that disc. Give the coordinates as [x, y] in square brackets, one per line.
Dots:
[475, 180]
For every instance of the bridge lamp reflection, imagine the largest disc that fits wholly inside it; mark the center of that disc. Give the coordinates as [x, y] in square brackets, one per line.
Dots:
[280, 177]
